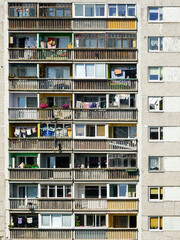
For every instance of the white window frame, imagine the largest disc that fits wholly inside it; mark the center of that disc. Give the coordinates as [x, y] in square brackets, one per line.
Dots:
[116, 16]
[159, 133]
[85, 137]
[25, 158]
[61, 218]
[56, 186]
[159, 192]
[26, 186]
[158, 104]
[129, 130]
[59, 97]
[159, 12]
[159, 44]
[82, 77]
[158, 223]
[26, 101]
[160, 164]
[85, 220]
[118, 185]
[159, 74]
[105, 7]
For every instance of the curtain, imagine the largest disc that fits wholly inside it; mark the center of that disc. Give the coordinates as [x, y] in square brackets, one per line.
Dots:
[100, 70]
[66, 220]
[31, 192]
[89, 70]
[79, 70]
[56, 220]
[45, 220]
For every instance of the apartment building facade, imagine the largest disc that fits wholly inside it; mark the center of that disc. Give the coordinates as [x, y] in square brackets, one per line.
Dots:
[90, 120]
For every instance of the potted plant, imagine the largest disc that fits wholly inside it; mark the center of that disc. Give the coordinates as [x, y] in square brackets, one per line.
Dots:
[27, 166]
[43, 105]
[65, 106]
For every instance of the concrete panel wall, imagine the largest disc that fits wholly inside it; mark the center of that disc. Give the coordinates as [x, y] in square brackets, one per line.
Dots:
[171, 193]
[171, 134]
[171, 74]
[171, 14]
[171, 104]
[171, 44]
[171, 223]
[172, 164]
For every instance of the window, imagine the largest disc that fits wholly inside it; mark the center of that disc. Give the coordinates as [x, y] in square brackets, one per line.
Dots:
[156, 223]
[26, 102]
[24, 220]
[90, 130]
[57, 72]
[155, 104]
[57, 101]
[122, 190]
[121, 10]
[122, 100]
[122, 160]
[124, 221]
[155, 163]
[27, 192]
[30, 160]
[55, 10]
[55, 130]
[55, 220]
[155, 14]
[56, 191]
[155, 193]
[155, 73]
[90, 220]
[124, 132]
[156, 133]
[121, 40]
[155, 44]
[90, 70]
[89, 10]
[90, 40]
[95, 162]
[122, 71]
[22, 10]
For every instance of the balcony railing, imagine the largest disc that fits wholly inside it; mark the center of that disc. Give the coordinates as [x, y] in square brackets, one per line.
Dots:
[28, 204]
[39, 144]
[59, 24]
[108, 234]
[105, 174]
[79, 85]
[40, 114]
[39, 173]
[105, 85]
[114, 144]
[105, 114]
[40, 54]
[45, 24]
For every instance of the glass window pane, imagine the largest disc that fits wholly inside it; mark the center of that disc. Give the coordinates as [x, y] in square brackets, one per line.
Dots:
[66, 220]
[68, 191]
[153, 73]
[79, 10]
[31, 101]
[51, 191]
[100, 10]
[44, 191]
[133, 132]
[120, 132]
[67, 12]
[31, 192]
[90, 221]
[56, 220]
[153, 43]
[89, 70]
[21, 102]
[121, 10]
[80, 130]
[59, 12]
[131, 190]
[45, 220]
[79, 70]
[154, 222]
[113, 190]
[122, 190]
[100, 130]
[131, 10]
[59, 191]
[125, 43]
[89, 10]
[90, 130]
[100, 70]
[118, 43]
[51, 12]
[154, 133]
[22, 192]
[123, 221]
[112, 9]
[154, 163]
[101, 42]
[153, 14]
[154, 193]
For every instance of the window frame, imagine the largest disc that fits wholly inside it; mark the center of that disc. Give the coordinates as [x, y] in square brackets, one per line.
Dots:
[123, 157]
[55, 6]
[160, 129]
[85, 131]
[98, 37]
[84, 66]
[56, 187]
[26, 191]
[83, 15]
[118, 191]
[159, 224]
[51, 221]
[159, 99]
[95, 220]
[26, 100]
[160, 164]
[56, 134]
[160, 77]
[126, 9]
[122, 36]
[22, 6]
[159, 194]
[160, 41]
[159, 9]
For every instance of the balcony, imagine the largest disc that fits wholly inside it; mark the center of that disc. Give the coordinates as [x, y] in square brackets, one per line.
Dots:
[40, 84]
[106, 85]
[109, 234]
[39, 144]
[33, 204]
[104, 174]
[79, 85]
[107, 205]
[40, 174]
[105, 114]
[39, 114]
[105, 144]
[40, 54]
